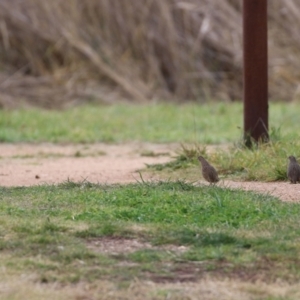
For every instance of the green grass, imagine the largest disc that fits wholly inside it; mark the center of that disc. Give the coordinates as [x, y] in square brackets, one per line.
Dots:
[47, 229]
[198, 123]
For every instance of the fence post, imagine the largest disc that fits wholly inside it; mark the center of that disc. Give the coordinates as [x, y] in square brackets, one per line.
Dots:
[255, 47]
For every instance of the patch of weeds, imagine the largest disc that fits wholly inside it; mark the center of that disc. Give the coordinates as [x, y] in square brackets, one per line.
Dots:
[69, 184]
[150, 153]
[280, 173]
[266, 162]
[147, 256]
[185, 158]
[178, 185]
[49, 227]
[275, 134]
[198, 238]
[263, 162]
[101, 153]
[78, 154]
[25, 156]
[40, 154]
[41, 265]
[179, 163]
[106, 229]
[194, 151]
[67, 255]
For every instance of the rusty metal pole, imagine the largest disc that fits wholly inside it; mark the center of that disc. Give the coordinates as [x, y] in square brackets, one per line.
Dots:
[255, 44]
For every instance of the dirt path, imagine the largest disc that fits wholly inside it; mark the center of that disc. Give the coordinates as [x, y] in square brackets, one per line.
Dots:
[31, 164]
[283, 190]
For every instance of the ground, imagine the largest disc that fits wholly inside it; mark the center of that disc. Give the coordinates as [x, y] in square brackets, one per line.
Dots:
[31, 164]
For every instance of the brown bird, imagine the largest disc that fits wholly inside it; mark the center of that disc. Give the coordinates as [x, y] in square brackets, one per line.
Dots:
[208, 171]
[293, 170]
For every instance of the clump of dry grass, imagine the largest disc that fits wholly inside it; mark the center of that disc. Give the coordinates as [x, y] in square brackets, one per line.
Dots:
[140, 50]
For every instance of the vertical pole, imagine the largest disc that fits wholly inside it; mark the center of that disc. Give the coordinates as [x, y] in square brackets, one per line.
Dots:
[255, 44]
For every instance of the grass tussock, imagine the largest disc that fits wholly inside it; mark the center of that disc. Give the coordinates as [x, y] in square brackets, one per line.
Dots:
[58, 52]
[264, 162]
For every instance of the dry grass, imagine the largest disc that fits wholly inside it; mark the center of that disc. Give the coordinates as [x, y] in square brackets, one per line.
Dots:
[18, 287]
[138, 50]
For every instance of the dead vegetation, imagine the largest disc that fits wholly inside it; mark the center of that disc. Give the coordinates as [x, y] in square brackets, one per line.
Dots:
[15, 287]
[57, 53]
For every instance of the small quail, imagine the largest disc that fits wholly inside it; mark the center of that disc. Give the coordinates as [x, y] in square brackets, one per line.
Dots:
[208, 171]
[293, 170]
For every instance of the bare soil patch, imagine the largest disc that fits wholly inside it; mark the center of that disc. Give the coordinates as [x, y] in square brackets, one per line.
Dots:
[283, 190]
[32, 164]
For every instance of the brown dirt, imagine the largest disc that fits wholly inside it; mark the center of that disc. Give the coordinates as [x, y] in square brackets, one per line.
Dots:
[32, 164]
[283, 190]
